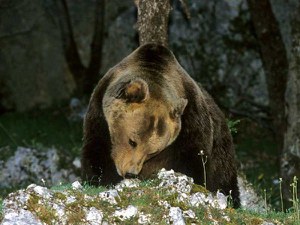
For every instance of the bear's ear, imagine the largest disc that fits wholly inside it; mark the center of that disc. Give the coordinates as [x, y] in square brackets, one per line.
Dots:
[179, 108]
[135, 91]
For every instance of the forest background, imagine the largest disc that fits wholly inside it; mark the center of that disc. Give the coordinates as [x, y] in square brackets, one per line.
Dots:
[245, 53]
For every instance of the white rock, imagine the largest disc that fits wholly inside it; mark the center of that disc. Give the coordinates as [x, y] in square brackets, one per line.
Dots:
[249, 198]
[31, 164]
[129, 183]
[77, 163]
[209, 199]
[31, 186]
[110, 196]
[70, 199]
[144, 218]
[189, 214]
[179, 182]
[60, 211]
[76, 185]
[21, 217]
[78, 110]
[42, 192]
[94, 216]
[16, 199]
[197, 199]
[127, 213]
[176, 216]
[182, 197]
[218, 201]
[221, 201]
[184, 184]
[165, 204]
[227, 218]
[165, 173]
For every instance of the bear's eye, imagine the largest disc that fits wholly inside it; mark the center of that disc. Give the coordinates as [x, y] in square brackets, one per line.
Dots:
[132, 143]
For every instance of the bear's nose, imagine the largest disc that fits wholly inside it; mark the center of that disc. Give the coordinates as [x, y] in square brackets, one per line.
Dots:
[130, 175]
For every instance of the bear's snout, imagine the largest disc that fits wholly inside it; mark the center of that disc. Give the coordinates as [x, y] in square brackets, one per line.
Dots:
[129, 163]
[127, 169]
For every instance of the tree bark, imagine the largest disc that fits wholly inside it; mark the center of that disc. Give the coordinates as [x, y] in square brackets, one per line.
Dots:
[85, 77]
[275, 62]
[290, 161]
[69, 45]
[92, 75]
[152, 21]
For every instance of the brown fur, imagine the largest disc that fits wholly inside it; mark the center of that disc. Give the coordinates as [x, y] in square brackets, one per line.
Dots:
[147, 113]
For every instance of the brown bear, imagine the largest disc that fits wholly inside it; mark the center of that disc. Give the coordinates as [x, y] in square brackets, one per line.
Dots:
[147, 113]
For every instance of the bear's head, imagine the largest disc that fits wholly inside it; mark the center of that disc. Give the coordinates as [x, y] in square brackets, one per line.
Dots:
[140, 125]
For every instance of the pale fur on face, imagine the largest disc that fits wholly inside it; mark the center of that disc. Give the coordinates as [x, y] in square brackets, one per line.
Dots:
[139, 131]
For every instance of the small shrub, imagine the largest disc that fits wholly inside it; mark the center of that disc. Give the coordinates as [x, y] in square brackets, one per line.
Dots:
[232, 125]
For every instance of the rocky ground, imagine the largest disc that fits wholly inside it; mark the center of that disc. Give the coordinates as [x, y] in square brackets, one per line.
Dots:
[29, 165]
[172, 198]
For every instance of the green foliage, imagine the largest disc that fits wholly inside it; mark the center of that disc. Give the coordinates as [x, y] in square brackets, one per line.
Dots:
[199, 188]
[38, 129]
[43, 211]
[1, 209]
[232, 125]
[295, 199]
[92, 190]
[61, 187]
[254, 147]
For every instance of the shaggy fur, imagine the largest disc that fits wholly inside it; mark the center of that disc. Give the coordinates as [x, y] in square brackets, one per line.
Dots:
[177, 116]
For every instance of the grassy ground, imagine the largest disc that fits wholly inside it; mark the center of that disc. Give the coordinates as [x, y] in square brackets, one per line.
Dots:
[147, 198]
[1, 203]
[46, 128]
[258, 159]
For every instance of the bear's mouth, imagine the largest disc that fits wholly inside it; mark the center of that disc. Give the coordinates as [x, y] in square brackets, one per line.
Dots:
[130, 168]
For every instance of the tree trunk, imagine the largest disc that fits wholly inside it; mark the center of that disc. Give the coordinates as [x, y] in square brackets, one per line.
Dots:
[275, 62]
[92, 73]
[290, 161]
[69, 44]
[152, 21]
[85, 77]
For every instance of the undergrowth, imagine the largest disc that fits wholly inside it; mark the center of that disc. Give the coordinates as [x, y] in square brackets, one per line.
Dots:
[148, 199]
[258, 160]
[40, 128]
[1, 208]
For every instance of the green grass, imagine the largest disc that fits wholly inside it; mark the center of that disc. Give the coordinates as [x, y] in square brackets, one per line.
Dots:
[42, 128]
[1, 208]
[92, 190]
[258, 156]
[61, 187]
[87, 189]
